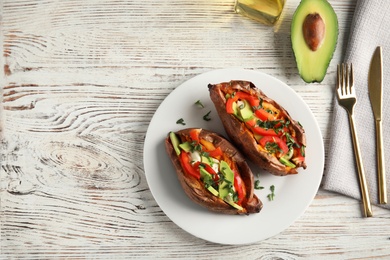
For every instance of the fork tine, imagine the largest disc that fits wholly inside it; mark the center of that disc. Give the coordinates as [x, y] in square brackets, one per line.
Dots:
[351, 81]
[343, 80]
[347, 77]
[346, 82]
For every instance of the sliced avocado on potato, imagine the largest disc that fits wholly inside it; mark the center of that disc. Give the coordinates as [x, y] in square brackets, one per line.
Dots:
[314, 32]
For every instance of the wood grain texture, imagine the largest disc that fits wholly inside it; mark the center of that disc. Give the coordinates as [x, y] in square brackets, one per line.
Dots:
[81, 81]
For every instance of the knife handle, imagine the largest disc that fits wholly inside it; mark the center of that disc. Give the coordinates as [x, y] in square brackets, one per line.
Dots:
[380, 163]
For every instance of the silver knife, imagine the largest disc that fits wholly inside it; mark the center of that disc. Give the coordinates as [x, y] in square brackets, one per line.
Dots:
[375, 90]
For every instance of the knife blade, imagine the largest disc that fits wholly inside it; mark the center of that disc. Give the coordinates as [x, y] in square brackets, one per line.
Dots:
[375, 92]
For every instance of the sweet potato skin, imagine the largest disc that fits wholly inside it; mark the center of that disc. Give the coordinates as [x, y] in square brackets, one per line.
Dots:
[195, 189]
[242, 137]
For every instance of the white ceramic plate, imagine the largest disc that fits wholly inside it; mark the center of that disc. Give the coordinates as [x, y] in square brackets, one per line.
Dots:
[293, 194]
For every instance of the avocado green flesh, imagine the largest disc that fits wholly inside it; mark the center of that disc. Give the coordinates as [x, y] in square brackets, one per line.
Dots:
[186, 146]
[228, 199]
[229, 178]
[289, 154]
[226, 171]
[246, 112]
[286, 162]
[206, 177]
[175, 142]
[312, 65]
[224, 190]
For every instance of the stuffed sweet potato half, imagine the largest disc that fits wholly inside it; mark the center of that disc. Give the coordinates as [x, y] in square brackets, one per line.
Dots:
[212, 172]
[259, 127]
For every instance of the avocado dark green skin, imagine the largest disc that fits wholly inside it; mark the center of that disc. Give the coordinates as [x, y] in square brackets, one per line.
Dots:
[313, 64]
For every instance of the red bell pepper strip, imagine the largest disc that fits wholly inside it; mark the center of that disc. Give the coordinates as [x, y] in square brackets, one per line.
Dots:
[194, 134]
[185, 163]
[238, 186]
[209, 169]
[264, 132]
[251, 122]
[298, 160]
[274, 139]
[195, 166]
[264, 115]
[253, 101]
[229, 105]
[216, 153]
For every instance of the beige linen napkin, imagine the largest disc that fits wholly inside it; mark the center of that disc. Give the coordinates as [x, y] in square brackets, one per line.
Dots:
[370, 28]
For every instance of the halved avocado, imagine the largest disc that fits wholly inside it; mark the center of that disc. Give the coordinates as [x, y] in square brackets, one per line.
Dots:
[314, 32]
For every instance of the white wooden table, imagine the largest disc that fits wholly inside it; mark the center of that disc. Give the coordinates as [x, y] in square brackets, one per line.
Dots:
[80, 84]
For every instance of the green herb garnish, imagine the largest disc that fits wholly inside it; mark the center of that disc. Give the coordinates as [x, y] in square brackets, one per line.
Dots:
[267, 124]
[257, 185]
[290, 141]
[181, 121]
[199, 103]
[272, 147]
[197, 147]
[207, 116]
[303, 150]
[271, 196]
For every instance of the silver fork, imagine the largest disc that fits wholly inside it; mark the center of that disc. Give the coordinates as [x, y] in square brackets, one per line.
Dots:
[347, 98]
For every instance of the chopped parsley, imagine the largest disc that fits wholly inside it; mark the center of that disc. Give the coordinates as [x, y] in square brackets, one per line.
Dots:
[290, 141]
[261, 102]
[207, 179]
[267, 124]
[303, 150]
[272, 147]
[180, 121]
[196, 147]
[260, 106]
[257, 185]
[271, 196]
[199, 103]
[206, 117]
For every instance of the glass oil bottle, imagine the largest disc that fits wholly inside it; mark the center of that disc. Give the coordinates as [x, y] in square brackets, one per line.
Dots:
[264, 11]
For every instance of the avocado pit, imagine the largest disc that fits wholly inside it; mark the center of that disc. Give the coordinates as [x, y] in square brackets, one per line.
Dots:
[313, 30]
[314, 34]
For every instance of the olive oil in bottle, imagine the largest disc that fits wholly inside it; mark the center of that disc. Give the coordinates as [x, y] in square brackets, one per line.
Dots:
[264, 11]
